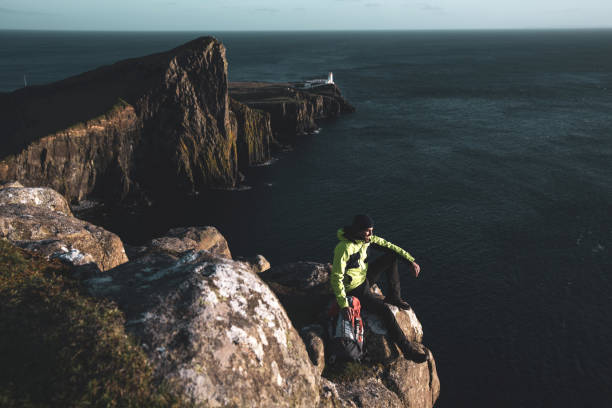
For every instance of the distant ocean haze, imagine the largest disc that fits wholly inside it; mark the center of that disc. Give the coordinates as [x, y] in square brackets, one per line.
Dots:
[486, 154]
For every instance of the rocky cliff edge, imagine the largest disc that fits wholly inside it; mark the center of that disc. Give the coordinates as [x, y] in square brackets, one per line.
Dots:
[211, 329]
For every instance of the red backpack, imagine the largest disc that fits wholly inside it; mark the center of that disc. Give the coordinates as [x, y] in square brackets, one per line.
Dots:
[346, 341]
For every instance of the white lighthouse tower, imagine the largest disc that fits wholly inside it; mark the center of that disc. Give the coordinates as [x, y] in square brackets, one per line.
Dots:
[330, 78]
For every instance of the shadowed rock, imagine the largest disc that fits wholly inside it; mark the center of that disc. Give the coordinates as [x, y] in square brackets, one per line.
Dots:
[370, 393]
[157, 123]
[303, 289]
[313, 339]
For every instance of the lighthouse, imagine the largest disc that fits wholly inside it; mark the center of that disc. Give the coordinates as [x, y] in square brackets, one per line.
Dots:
[330, 78]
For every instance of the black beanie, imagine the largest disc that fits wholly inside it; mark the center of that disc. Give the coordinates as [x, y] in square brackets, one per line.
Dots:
[362, 222]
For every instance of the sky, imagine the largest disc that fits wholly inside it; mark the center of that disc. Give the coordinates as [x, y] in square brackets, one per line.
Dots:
[247, 15]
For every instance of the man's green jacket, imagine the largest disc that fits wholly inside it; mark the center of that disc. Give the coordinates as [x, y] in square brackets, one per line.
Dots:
[350, 263]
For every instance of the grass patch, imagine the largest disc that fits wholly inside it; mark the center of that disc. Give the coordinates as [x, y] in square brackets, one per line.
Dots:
[342, 372]
[59, 348]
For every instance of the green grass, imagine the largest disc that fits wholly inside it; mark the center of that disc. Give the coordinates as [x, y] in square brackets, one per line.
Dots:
[117, 106]
[342, 372]
[59, 348]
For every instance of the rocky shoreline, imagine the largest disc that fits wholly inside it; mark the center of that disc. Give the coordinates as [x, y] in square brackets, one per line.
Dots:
[214, 329]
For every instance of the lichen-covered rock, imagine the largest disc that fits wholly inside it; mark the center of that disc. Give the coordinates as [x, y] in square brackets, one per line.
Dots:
[40, 220]
[183, 239]
[213, 329]
[39, 197]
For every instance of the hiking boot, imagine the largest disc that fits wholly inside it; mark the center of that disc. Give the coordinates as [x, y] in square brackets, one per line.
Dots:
[398, 302]
[414, 351]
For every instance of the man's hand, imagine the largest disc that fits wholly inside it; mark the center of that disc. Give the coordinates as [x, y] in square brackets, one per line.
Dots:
[347, 312]
[416, 268]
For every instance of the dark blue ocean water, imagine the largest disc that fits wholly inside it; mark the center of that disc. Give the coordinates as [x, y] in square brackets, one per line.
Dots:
[486, 154]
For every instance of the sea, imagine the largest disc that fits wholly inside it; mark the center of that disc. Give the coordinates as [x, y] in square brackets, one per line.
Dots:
[486, 154]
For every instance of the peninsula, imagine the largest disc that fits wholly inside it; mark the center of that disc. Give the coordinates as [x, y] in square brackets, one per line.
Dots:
[168, 122]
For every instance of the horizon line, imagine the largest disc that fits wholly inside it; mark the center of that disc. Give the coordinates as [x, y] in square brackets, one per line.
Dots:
[313, 30]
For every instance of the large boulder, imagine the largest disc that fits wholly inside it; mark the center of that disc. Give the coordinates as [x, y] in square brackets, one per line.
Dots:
[40, 220]
[213, 329]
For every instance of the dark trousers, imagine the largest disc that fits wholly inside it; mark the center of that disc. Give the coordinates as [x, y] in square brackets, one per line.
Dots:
[371, 303]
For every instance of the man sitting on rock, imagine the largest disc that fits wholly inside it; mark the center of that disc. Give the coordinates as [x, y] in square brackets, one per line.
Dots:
[351, 276]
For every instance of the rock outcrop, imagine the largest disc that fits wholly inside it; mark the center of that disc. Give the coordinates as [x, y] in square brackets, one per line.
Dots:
[212, 329]
[39, 219]
[400, 382]
[293, 112]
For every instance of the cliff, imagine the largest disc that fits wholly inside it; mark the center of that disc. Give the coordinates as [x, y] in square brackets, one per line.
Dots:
[156, 124]
[254, 134]
[159, 123]
[293, 112]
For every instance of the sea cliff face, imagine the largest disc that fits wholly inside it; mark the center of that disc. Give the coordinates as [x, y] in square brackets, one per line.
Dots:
[293, 112]
[254, 134]
[91, 157]
[156, 124]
